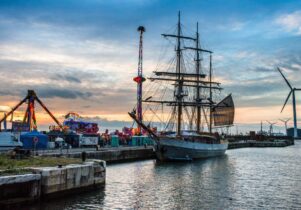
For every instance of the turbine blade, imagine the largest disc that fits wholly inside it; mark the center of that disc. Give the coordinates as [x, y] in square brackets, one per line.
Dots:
[285, 78]
[285, 120]
[298, 89]
[286, 100]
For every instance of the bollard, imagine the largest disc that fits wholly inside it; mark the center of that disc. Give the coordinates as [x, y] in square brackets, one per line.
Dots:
[84, 156]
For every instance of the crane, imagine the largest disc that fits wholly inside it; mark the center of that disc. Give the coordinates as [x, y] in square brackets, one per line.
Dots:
[139, 79]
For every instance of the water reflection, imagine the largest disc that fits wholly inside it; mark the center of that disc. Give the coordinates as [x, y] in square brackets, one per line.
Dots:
[249, 178]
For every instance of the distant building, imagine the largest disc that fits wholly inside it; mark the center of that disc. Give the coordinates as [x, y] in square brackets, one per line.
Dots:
[278, 134]
[290, 132]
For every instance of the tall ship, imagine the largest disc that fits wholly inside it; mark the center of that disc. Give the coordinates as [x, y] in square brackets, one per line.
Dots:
[187, 92]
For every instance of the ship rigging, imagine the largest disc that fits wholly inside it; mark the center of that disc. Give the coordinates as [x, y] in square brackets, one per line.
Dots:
[192, 100]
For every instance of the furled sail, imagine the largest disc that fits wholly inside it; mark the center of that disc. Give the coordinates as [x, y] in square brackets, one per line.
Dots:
[223, 112]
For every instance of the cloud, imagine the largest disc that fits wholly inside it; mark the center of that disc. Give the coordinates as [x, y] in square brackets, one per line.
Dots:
[254, 89]
[237, 26]
[290, 22]
[263, 69]
[104, 123]
[7, 92]
[51, 92]
[245, 54]
[262, 85]
[69, 78]
[46, 91]
[4, 109]
[82, 55]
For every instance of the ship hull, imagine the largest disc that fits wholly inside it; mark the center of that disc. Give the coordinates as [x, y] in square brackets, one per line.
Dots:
[176, 150]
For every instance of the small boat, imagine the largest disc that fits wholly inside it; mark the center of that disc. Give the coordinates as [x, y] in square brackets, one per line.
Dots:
[192, 99]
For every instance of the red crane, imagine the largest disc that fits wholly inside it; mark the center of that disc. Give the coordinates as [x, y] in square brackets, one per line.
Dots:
[30, 117]
[140, 79]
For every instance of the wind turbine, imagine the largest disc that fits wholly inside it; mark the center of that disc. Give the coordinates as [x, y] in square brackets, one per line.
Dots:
[271, 127]
[294, 102]
[285, 123]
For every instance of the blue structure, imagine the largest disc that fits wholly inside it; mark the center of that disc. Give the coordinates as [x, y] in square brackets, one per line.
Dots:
[290, 132]
[141, 140]
[115, 141]
[29, 139]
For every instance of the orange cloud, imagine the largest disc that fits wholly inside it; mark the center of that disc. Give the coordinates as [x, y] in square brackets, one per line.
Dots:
[257, 114]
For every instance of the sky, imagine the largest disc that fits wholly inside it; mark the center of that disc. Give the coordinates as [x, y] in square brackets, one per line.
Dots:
[81, 55]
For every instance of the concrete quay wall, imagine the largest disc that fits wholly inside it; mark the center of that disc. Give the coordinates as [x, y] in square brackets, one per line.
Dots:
[121, 154]
[20, 189]
[71, 177]
[253, 143]
[50, 182]
[111, 155]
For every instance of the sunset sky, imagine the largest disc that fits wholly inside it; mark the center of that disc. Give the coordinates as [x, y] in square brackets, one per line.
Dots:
[81, 56]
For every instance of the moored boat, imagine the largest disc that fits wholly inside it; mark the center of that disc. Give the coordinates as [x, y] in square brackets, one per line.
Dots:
[190, 147]
[191, 105]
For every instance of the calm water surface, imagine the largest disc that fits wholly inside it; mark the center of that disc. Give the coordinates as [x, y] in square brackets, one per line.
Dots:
[250, 178]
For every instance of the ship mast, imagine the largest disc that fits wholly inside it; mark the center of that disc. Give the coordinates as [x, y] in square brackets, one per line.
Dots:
[179, 95]
[199, 103]
[198, 121]
[185, 79]
[210, 94]
[179, 75]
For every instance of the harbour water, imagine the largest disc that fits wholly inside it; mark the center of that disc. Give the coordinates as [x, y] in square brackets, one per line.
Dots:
[249, 178]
